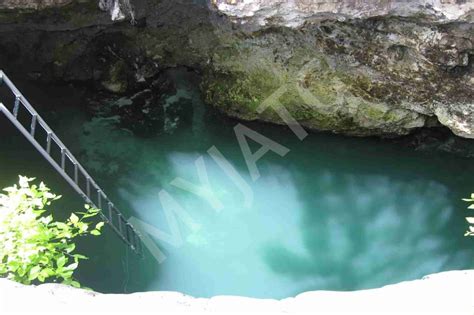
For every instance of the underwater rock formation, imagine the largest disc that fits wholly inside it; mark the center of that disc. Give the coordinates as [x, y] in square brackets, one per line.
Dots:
[379, 67]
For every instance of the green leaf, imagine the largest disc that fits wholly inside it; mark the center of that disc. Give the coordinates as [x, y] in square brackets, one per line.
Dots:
[66, 274]
[34, 272]
[82, 227]
[10, 189]
[61, 261]
[95, 232]
[74, 218]
[79, 256]
[470, 220]
[21, 271]
[47, 272]
[13, 265]
[71, 267]
[62, 225]
[24, 181]
[70, 248]
[48, 219]
[34, 247]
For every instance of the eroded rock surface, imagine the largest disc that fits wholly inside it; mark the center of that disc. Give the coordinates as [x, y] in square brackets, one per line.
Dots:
[296, 12]
[32, 4]
[356, 67]
[359, 68]
[444, 293]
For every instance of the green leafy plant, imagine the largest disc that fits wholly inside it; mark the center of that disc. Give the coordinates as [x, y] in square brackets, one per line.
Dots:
[34, 247]
[470, 220]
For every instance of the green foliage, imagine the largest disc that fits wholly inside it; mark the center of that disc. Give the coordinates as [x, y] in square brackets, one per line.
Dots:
[470, 220]
[34, 247]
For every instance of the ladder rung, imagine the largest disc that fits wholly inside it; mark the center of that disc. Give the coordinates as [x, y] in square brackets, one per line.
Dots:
[48, 143]
[76, 175]
[124, 229]
[33, 125]
[16, 107]
[111, 218]
[138, 242]
[99, 198]
[127, 232]
[88, 186]
[63, 159]
[131, 235]
[119, 216]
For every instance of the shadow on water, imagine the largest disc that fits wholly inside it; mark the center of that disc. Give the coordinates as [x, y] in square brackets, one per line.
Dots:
[335, 213]
[373, 213]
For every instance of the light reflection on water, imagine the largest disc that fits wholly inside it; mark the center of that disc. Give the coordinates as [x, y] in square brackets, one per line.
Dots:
[335, 213]
[310, 227]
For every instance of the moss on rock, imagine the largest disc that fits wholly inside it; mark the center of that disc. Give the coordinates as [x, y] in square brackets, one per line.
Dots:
[115, 80]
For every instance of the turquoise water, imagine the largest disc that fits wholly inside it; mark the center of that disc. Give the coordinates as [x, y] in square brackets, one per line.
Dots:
[334, 213]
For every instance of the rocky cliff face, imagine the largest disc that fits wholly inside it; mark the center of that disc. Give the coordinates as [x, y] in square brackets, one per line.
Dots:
[356, 67]
[376, 67]
[296, 12]
[29, 4]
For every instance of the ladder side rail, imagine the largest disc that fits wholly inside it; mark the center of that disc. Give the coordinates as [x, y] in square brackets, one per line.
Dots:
[36, 118]
[39, 121]
[42, 123]
[58, 168]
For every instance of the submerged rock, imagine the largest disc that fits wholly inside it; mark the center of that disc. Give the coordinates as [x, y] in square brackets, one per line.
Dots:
[157, 106]
[365, 68]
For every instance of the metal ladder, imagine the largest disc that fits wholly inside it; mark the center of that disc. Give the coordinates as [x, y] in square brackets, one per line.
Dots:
[67, 165]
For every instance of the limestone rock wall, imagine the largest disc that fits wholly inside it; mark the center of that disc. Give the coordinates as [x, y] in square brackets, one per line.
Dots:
[294, 13]
[32, 4]
[375, 67]
[362, 68]
[445, 293]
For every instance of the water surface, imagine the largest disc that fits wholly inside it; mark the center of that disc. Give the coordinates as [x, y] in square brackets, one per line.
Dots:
[335, 213]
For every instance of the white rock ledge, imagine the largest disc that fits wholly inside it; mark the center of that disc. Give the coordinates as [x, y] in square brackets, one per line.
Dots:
[293, 13]
[449, 292]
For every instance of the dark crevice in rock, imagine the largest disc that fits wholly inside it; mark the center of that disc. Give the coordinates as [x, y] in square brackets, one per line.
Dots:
[438, 139]
[381, 75]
